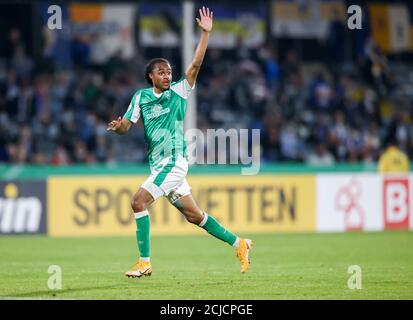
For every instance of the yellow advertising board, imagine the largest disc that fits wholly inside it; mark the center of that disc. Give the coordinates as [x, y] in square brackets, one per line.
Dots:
[380, 25]
[92, 205]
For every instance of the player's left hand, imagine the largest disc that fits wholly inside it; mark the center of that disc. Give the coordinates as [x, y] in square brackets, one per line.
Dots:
[205, 23]
[114, 124]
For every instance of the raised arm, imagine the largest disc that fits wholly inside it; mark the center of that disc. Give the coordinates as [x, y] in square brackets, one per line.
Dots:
[205, 23]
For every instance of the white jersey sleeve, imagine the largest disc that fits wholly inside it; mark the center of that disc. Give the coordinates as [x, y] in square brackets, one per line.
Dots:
[133, 112]
[182, 88]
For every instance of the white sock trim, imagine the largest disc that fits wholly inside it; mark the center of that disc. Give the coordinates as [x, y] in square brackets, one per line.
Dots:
[141, 214]
[204, 220]
[145, 259]
[236, 243]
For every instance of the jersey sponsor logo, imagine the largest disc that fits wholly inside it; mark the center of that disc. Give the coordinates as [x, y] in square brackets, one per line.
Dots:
[157, 111]
[396, 203]
[19, 213]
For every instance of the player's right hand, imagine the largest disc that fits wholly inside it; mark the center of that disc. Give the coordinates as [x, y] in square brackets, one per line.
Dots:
[114, 124]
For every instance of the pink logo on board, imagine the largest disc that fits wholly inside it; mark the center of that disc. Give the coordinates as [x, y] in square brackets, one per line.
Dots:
[347, 202]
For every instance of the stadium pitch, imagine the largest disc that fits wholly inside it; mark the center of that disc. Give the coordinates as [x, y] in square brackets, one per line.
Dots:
[283, 266]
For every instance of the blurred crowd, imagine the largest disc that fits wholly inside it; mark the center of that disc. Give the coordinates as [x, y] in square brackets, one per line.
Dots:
[320, 113]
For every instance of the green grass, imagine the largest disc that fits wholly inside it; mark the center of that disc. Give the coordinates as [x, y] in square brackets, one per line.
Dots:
[284, 266]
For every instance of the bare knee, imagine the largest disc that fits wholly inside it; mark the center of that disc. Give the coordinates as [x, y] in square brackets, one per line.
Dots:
[141, 200]
[138, 206]
[194, 217]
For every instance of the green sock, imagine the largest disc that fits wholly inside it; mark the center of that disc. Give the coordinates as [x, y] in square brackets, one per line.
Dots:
[213, 227]
[142, 235]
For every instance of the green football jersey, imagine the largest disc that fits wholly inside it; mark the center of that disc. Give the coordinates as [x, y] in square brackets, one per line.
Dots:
[162, 116]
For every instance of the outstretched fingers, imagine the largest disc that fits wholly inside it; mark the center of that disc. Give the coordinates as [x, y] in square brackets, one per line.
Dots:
[205, 12]
[112, 125]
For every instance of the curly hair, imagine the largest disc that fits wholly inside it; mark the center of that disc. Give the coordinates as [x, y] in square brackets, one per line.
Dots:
[150, 66]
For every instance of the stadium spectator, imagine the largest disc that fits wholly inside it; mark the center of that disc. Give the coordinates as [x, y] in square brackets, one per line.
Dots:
[321, 94]
[320, 156]
[13, 43]
[55, 115]
[336, 41]
[393, 160]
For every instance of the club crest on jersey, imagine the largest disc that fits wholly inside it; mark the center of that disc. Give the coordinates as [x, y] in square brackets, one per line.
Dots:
[167, 94]
[157, 111]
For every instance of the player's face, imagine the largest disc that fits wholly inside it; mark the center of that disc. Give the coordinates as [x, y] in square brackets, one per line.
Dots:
[161, 76]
